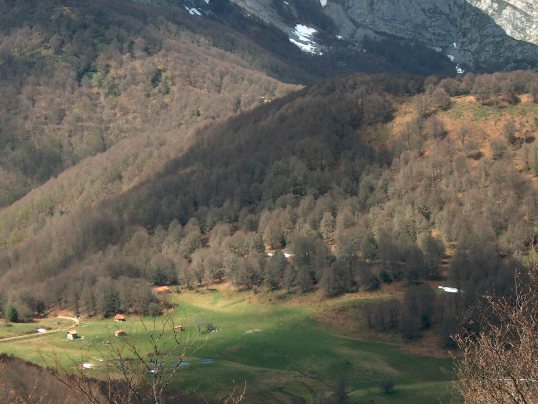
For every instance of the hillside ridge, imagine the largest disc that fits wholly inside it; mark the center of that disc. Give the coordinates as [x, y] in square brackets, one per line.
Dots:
[475, 35]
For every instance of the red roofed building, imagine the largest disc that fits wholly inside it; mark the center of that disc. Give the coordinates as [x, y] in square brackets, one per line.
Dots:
[160, 290]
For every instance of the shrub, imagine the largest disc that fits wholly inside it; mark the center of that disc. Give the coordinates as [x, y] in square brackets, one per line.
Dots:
[385, 276]
[387, 386]
[154, 309]
[472, 150]
[369, 281]
[410, 326]
[12, 315]
[205, 327]
[369, 247]
[440, 98]
[498, 148]
[434, 128]
[510, 132]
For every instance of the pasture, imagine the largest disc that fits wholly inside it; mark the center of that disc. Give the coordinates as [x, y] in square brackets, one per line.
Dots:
[280, 351]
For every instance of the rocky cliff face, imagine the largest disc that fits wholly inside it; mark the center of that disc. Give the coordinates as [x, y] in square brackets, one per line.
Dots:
[460, 30]
[519, 18]
[480, 35]
[471, 33]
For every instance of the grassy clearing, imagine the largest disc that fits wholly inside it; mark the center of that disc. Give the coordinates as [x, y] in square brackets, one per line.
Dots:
[472, 110]
[8, 330]
[292, 357]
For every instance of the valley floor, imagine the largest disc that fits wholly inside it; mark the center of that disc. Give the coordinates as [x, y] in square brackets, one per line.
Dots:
[278, 347]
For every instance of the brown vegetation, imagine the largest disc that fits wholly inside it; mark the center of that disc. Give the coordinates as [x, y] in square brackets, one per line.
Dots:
[22, 382]
[500, 364]
[295, 177]
[73, 89]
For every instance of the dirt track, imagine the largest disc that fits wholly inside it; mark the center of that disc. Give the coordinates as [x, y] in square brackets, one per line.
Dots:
[75, 321]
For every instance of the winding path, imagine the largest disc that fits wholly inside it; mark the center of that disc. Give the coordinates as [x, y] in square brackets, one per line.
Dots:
[75, 321]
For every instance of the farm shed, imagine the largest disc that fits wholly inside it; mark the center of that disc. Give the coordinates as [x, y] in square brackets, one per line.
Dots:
[161, 290]
[119, 317]
[72, 334]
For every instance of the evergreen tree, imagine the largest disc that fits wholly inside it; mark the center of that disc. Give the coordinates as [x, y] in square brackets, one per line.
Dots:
[12, 315]
[327, 225]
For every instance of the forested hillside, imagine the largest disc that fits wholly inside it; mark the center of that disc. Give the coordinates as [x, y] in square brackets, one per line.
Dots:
[79, 77]
[334, 195]
[347, 185]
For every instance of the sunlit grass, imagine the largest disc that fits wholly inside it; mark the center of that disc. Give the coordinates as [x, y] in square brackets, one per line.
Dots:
[292, 354]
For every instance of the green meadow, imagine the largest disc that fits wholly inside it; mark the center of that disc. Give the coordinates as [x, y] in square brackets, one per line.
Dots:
[278, 350]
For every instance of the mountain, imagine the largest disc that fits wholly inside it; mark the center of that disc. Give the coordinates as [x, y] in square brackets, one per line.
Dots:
[519, 18]
[125, 121]
[307, 38]
[78, 78]
[297, 150]
[471, 34]
[452, 27]
[77, 81]
[360, 168]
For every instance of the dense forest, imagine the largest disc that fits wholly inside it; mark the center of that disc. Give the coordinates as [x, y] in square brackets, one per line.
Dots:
[343, 186]
[77, 77]
[364, 209]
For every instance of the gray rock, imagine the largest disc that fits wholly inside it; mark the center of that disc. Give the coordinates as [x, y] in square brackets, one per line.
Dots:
[489, 35]
[475, 26]
[519, 18]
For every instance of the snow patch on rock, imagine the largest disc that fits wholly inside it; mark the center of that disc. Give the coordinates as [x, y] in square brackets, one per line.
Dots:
[304, 38]
[193, 10]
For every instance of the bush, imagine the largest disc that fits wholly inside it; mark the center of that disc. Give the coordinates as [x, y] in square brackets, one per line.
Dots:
[387, 386]
[448, 328]
[369, 247]
[434, 128]
[410, 326]
[385, 276]
[12, 315]
[510, 132]
[205, 327]
[369, 281]
[472, 150]
[498, 148]
[154, 309]
[440, 98]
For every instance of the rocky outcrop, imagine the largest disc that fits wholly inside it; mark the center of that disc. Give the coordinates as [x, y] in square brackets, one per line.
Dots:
[519, 18]
[479, 35]
[466, 31]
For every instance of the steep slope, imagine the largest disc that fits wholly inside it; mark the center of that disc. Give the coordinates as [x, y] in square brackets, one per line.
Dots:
[304, 35]
[123, 119]
[350, 170]
[456, 28]
[519, 18]
[78, 77]
[24, 382]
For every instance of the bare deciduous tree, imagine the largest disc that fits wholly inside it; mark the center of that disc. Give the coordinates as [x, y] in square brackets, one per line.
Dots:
[500, 365]
[137, 369]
